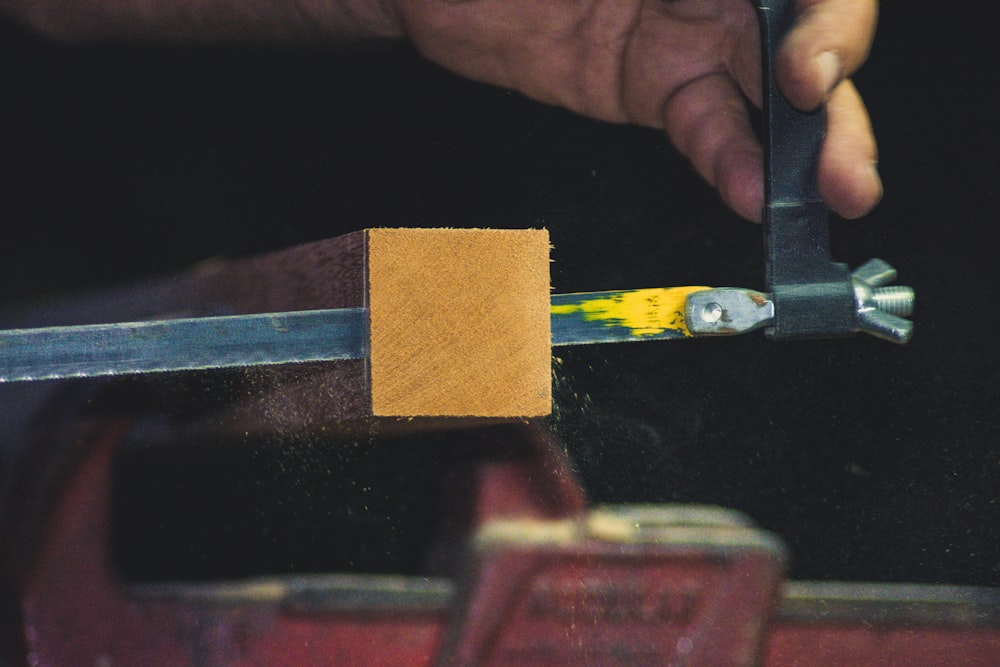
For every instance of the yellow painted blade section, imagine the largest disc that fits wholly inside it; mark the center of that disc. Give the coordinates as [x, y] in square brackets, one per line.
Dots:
[631, 314]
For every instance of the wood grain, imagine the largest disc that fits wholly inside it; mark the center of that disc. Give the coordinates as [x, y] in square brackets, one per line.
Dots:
[331, 273]
[323, 274]
[459, 322]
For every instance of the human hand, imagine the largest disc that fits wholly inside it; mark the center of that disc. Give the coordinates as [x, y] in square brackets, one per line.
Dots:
[680, 65]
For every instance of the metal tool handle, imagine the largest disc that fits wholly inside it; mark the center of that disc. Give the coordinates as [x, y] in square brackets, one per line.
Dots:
[813, 295]
[792, 138]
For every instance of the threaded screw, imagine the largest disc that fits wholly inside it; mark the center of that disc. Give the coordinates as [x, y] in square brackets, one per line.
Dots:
[895, 300]
[881, 309]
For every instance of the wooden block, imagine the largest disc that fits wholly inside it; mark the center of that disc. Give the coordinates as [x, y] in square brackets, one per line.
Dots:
[459, 320]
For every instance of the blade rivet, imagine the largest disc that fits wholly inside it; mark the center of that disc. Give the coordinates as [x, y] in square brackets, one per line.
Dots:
[712, 312]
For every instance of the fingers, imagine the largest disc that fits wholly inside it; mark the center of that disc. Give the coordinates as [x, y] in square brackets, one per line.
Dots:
[707, 121]
[848, 179]
[830, 41]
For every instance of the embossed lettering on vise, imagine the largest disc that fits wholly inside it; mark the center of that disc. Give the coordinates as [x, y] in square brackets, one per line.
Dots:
[603, 601]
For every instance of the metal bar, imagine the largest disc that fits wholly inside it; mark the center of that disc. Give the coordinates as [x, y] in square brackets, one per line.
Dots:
[813, 296]
[128, 348]
[182, 344]
[622, 316]
[889, 605]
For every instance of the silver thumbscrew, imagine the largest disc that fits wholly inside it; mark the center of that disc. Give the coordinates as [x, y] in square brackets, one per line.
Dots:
[882, 308]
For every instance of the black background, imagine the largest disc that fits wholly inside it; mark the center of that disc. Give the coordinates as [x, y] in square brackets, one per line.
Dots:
[874, 462]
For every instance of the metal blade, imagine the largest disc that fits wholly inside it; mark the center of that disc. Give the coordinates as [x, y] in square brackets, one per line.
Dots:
[182, 344]
[316, 335]
[627, 315]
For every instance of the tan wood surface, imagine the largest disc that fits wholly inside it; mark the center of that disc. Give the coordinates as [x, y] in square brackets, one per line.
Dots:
[459, 322]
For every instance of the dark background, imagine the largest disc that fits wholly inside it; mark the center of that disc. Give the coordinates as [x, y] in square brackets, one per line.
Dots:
[874, 462]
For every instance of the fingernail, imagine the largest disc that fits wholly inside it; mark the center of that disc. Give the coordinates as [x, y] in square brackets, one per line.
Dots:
[829, 67]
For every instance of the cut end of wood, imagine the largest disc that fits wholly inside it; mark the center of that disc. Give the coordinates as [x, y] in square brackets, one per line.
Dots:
[459, 322]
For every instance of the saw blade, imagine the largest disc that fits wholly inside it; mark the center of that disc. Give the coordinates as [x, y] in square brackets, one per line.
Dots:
[620, 316]
[127, 348]
[182, 344]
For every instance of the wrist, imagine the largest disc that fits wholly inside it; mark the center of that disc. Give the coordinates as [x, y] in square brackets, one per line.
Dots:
[208, 20]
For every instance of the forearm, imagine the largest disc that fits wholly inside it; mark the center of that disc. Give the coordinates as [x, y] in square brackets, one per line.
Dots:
[207, 20]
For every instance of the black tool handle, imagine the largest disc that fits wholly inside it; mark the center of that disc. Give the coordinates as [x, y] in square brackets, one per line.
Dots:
[813, 295]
